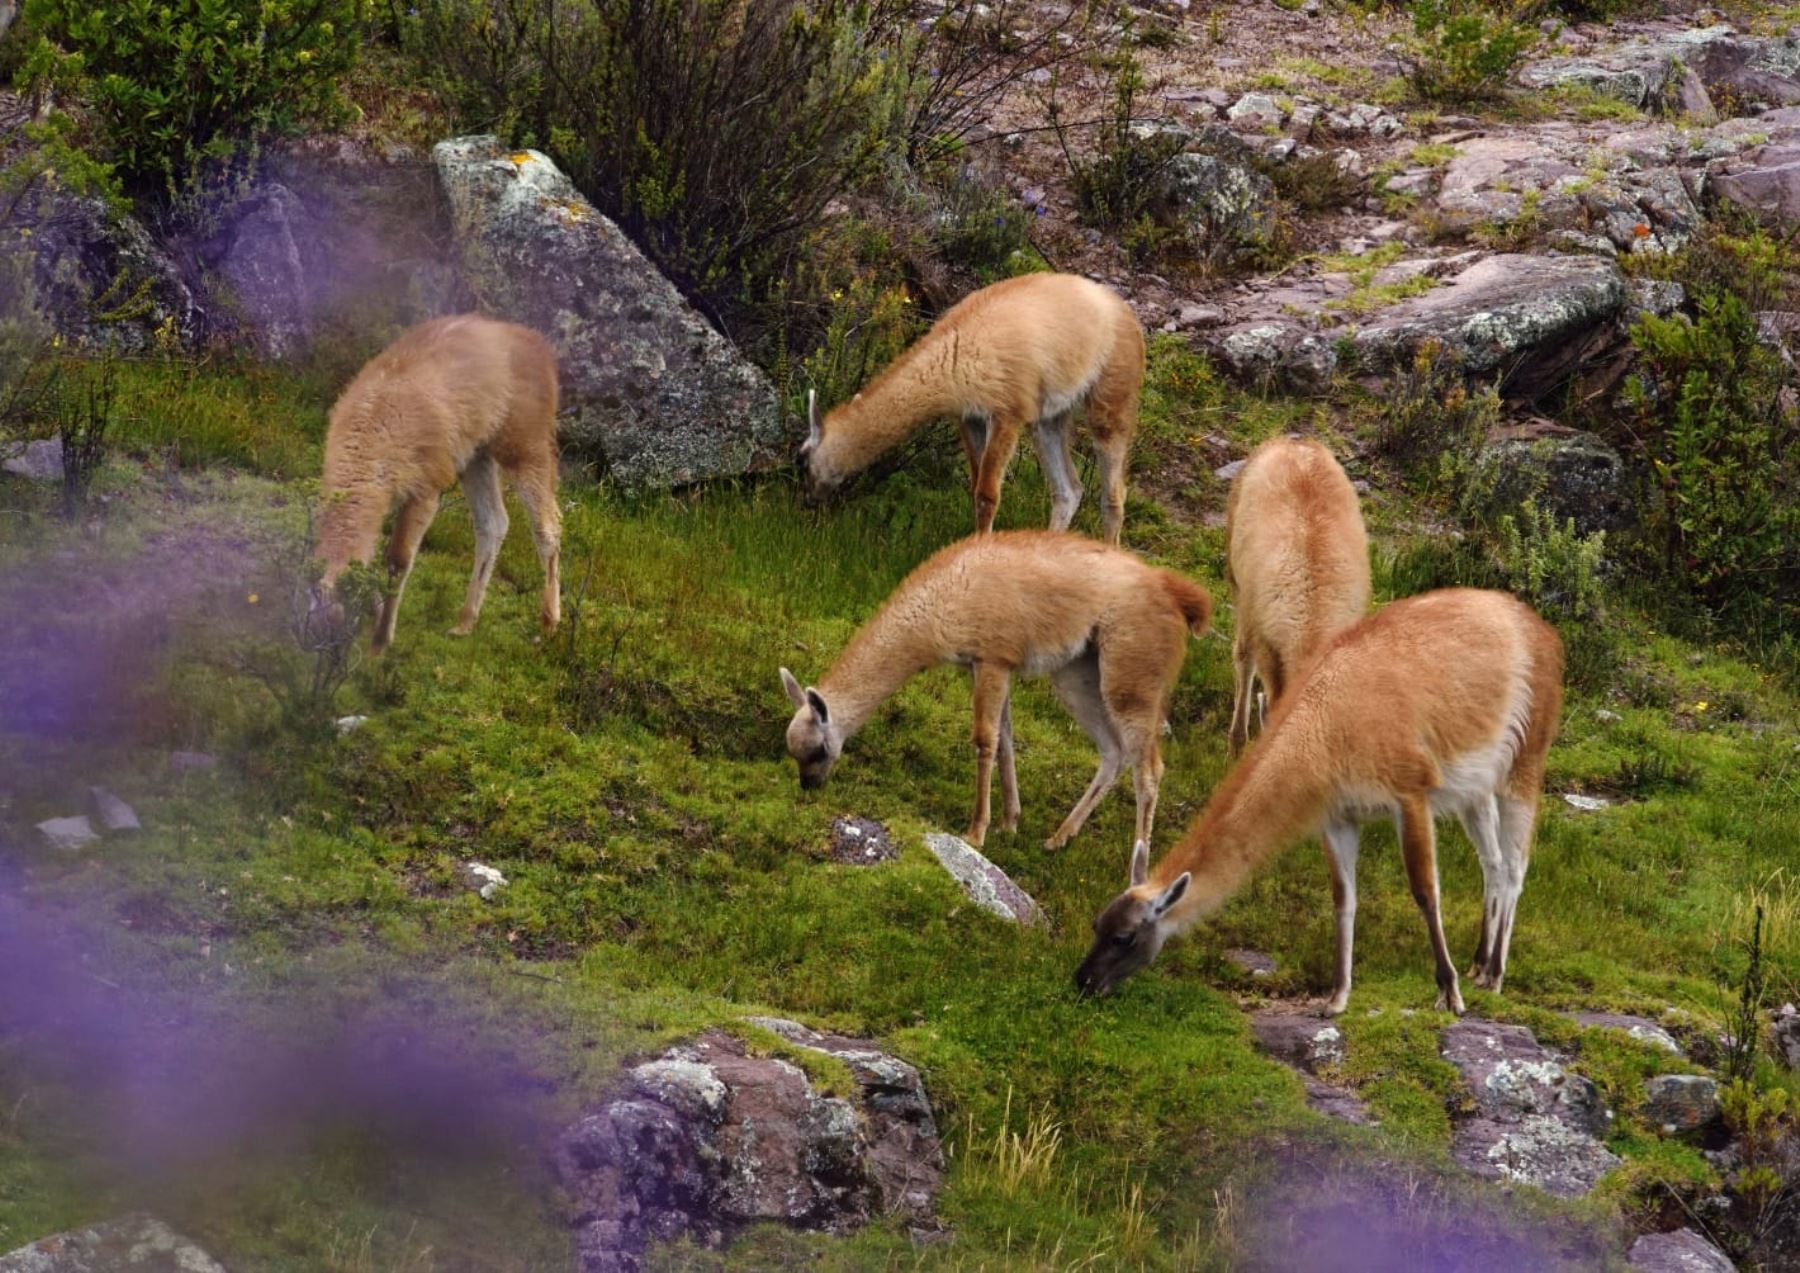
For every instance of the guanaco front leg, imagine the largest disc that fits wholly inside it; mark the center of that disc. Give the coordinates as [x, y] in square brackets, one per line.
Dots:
[1418, 846]
[1340, 854]
[992, 683]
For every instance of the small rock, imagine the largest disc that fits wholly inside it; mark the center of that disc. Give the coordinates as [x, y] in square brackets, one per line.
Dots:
[1253, 962]
[131, 1244]
[187, 761]
[1305, 1042]
[1642, 1029]
[1191, 316]
[986, 884]
[1787, 1035]
[67, 835]
[350, 724]
[113, 814]
[1254, 112]
[1586, 804]
[1681, 1102]
[1682, 1251]
[1229, 472]
[37, 461]
[1607, 717]
[861, 842]
[484, 880]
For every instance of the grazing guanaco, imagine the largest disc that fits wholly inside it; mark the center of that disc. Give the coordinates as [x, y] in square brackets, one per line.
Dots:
[1108, 630]
[1443, 703]
[462, 397]
[1028, 350]
[1297, 560]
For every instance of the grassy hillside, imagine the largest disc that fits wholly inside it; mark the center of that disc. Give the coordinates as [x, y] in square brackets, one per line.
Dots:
[667, 872]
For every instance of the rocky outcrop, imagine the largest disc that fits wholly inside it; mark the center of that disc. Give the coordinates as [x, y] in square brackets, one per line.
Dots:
[986, 885]
[1532, 321]
[1638, 71]
[708, 1137]
[1764, 178]
[651, 391]
[264, 264]
[132, 1244]
[1534, 1122]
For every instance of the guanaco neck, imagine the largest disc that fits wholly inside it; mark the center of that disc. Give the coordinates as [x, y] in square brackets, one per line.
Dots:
[918, 386]
[1273, 797]
[883, 656]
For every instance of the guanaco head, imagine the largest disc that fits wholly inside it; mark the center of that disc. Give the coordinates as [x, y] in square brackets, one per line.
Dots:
[813, 740]
[821, 476]
[1131, 930]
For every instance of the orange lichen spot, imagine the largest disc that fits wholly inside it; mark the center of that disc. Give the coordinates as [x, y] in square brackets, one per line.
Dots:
[1641, 230]
[520, 157]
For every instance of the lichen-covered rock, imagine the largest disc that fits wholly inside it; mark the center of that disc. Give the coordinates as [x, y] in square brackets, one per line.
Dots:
[1680, 1103]
[1279, 353]
[987, 885]
[1569, 473]
[131, 1244]
[1682, 1251]
[39, 461]
[1764, 178]
[651, 390]
[861, 842]
[68, 835]
[1635, 71]
[1786, 1031]
[1536, 1123]
[708, 1138]
[1223, 207]
[111, 814]
[103, 282]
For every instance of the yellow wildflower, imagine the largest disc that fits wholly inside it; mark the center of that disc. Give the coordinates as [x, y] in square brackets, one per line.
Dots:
[253, 598]
[1700, 706]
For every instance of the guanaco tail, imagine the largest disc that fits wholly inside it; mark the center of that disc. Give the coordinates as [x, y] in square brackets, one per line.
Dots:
[1108, 630]
[1028, 350]
[463, 397]
[1442, 703]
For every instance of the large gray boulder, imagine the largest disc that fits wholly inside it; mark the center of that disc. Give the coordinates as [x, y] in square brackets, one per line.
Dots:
[651, 390]
[708, 1138]
[131, 1244]
[1531, 319]
[1535, 1122]
[264, 263]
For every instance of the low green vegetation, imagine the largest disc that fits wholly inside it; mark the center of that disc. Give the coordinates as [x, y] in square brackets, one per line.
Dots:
[666, 872]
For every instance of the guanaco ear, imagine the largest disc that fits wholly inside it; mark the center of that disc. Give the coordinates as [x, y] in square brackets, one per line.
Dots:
[795, 694]
[814, 430]
[1169, 896]
[818, 705]
[1140, 863]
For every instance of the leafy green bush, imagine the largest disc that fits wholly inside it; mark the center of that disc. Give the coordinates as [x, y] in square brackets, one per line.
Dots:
[983, 229]
[1429, 410]
[180, 84]
[1725, 451]
[1552, 566]
[1461, 50]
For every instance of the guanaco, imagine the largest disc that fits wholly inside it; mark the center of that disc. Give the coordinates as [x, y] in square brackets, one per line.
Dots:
[1297, 560]
[1028, 350]
[1443, 703]
[1108, 630]
[462, 397]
